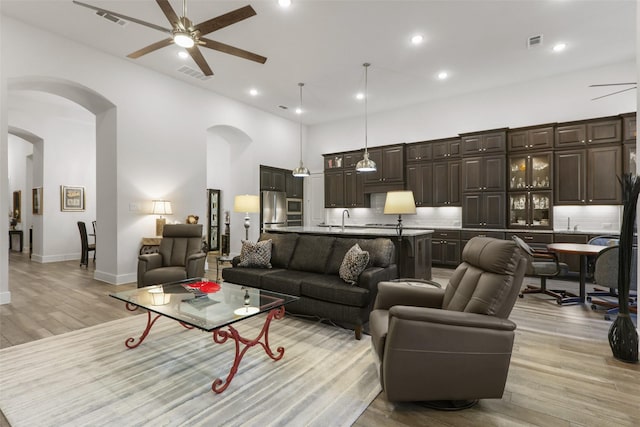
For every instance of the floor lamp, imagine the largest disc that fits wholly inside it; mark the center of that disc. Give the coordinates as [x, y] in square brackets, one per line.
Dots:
[399, 203]
[246, 203]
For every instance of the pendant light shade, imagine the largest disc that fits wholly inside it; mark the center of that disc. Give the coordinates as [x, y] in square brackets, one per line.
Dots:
[301, 171]
[366, 164]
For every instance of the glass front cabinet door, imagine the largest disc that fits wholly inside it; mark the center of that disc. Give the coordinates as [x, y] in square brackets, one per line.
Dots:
[530, 172]
[530, 209]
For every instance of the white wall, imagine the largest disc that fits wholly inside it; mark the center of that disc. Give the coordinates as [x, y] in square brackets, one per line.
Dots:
[162, 134]
[18, 152]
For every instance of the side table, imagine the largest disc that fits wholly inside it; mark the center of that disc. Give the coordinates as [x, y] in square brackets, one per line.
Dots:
[220, 260]
[150, 245]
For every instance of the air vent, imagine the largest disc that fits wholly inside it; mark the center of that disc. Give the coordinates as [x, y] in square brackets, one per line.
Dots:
[534, 41]
[193, 73]
[112, 18]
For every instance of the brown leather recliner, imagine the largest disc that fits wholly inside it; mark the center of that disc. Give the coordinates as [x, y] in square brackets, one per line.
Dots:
[180, 256]
[450, 346]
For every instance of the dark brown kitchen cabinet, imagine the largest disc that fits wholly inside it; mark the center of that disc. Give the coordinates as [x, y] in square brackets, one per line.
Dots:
[535, 240]
[333, 189]
[530, 209]
[465, 236]
[418, 152]
[446, 148]
[446, 183]
[483, 210]
[390, 163]
[333, 161]
[354, 196]
[272, 179]
[484, 143]
[527, 139]
[588, 176]
[351, 159]
[588, 133]
[629, 158]
[420, 181]
[445, 247]
[484, 173]
[294, 186]
[629, 129]
[530, 171]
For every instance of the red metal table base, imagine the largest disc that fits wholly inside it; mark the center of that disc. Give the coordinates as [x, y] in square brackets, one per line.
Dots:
[221, 336]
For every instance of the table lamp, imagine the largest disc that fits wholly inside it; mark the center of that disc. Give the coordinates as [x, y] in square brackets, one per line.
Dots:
[161, 207]
[246, 203]
[400, 202]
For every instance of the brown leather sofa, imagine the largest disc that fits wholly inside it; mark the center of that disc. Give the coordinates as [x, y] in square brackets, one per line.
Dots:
[180, 256]
[450, 346]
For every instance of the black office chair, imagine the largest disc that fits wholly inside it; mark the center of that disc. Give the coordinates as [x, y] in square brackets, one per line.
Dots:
[543, 264]
[86, 246]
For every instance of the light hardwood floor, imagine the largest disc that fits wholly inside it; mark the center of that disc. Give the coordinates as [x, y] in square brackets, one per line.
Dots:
[562, 372]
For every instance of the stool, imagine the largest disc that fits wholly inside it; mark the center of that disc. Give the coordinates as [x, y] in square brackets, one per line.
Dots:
[220, 261]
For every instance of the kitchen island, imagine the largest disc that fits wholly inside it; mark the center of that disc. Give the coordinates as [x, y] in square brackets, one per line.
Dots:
[413, 251]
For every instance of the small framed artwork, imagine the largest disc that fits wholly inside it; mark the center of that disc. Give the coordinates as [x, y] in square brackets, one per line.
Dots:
[71, 198]
[36, 200]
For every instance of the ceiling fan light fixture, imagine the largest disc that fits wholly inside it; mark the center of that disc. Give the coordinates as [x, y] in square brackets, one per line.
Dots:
[183, 39]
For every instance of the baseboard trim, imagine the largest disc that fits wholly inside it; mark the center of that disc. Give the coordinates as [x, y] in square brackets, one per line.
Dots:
[5, 297]
[115, 279]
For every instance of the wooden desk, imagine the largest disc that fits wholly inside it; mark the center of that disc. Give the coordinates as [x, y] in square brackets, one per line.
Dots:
[584, 251]
[18, 233]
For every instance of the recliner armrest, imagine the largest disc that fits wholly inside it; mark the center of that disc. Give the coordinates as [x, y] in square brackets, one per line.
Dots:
[196, 256]
[451, 318]
[400, 294]
[150, 261]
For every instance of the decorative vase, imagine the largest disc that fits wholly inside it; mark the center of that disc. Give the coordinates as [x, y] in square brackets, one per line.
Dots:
[623, 337]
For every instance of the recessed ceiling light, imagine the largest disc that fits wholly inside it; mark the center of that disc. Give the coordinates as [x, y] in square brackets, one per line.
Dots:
[359, 95]
[417, 39]
[253, 92]
[298, 110]
[284, 3]
[182, 54]
[442, 75]
[559, 47]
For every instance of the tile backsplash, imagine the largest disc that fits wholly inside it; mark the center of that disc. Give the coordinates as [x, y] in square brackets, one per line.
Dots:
[588, 218]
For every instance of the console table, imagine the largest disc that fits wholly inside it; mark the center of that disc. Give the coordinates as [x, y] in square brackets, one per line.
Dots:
[150, 245]
[18, 233]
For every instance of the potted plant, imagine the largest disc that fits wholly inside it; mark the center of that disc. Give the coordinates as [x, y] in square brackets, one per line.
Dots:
[623, 337]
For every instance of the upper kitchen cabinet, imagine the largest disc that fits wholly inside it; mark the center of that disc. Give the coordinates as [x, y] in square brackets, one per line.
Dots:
[333, 161]
[530, 138]
[629, 158]
[419, 152]
[446, 183]
[354, 196]
[446, 148]
[483, 173]
[272, 179]
[597, 131]
[390, 174]
[530, 171]
[484, 142]
[629, 129]
[420, 181]
[294, 186]
[483, 210]
[333, 189]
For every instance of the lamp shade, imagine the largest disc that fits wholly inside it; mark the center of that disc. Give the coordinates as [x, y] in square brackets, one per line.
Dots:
[162, 207]
[246, 203]
[400, 202]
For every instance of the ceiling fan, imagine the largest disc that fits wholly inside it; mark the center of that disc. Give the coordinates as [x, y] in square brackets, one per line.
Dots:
[634, 84]
[185, 34]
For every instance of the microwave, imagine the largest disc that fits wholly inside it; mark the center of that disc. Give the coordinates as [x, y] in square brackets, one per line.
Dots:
[294, 206]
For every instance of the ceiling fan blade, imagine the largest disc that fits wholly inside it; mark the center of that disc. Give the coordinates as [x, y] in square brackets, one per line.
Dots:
[613, 84]
[169, 12]
[125, 17]
[150, 48]
[200, 61]
[221, 47]
[225, 20]
[613, 93]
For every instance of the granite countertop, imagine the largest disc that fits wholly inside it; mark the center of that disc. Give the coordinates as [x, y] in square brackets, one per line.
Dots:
[359, 231]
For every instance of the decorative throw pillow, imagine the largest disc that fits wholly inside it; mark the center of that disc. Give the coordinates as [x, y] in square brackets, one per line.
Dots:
[255, 254]
[354, 263]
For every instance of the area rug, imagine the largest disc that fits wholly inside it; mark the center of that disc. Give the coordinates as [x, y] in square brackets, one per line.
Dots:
[89, 377]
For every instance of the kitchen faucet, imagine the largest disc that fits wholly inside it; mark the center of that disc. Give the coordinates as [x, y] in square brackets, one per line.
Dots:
[346, 211]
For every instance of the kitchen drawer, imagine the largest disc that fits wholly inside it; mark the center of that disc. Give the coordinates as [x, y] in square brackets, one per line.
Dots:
[468, 235]
[446, 234]
[534, 239]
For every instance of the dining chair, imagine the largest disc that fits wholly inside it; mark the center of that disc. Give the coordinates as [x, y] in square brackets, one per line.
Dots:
[606, 275]
[543, 264]
[86, 247]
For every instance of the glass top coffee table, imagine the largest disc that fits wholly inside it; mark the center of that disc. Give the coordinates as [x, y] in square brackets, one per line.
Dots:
[211, 307]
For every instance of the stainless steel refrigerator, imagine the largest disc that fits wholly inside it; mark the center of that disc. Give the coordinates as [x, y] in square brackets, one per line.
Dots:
[274, 208]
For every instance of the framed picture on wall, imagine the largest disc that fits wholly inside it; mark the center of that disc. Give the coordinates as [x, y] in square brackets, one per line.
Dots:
[36, 200]
[71, 198]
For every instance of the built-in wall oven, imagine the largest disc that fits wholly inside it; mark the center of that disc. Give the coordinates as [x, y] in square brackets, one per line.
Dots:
[294, 212]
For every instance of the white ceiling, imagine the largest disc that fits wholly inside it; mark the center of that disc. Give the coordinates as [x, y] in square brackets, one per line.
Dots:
[482, 44]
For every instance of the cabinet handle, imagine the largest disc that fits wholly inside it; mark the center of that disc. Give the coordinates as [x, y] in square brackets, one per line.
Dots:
[582, 200]
[591, 200]
[591, 140]
[528, 237]
[482, 235]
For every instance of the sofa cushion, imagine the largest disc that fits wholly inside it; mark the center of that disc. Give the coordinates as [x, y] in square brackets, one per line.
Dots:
[333, 289]
[282, 247]
[340, 249]
[354, 263]
[285, 281]
[247, 276]
[312, 253]
[255, 254]
[381, 251]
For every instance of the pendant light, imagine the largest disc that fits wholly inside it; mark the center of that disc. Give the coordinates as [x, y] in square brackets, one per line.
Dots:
[366, 164]
[301, 171]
